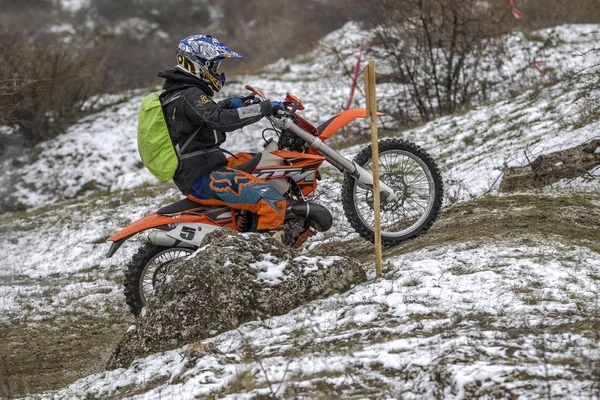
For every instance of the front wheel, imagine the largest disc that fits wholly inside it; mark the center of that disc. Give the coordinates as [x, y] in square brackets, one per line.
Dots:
[150, 268]
[416, 180]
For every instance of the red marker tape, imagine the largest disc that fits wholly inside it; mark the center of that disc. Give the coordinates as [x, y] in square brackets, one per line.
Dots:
[537, 64]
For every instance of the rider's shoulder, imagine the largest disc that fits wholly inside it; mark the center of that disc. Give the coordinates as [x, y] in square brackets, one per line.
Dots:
[196, 92]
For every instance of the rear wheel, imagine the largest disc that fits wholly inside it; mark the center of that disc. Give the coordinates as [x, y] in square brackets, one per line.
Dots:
[417, 183]
[150, 268]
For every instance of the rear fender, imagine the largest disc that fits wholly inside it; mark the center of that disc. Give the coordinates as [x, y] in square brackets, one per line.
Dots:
[151, 221]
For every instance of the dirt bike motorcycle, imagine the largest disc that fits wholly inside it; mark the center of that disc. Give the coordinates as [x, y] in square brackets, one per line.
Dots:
[411, 193]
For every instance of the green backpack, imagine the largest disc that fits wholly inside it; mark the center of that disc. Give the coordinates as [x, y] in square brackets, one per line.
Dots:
[154, 143]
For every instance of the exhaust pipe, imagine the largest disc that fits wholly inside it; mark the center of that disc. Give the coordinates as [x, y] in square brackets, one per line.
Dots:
[319, 216]
[160, 238]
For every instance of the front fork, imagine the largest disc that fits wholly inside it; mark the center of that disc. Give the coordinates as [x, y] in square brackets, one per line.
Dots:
[362, 176]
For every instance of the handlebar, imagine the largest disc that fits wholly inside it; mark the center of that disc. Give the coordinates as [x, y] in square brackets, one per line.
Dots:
[291, 112]
[254, 99]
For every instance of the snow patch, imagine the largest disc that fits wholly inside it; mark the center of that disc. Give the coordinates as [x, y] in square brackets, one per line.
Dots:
[271, 270]
[316, 262]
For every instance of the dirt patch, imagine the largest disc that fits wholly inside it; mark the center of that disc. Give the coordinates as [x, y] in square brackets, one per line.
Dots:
[53, 354]
[570, 219]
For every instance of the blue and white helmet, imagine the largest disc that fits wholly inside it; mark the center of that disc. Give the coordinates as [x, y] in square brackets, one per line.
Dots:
[201, 55]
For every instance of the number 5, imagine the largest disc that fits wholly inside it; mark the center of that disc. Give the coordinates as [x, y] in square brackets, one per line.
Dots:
[187, 233]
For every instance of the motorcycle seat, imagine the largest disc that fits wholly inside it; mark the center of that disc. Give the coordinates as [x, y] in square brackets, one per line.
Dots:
[249, 165]
[181, 205]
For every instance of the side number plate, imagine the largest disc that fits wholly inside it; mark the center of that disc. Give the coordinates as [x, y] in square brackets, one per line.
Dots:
[191, 232]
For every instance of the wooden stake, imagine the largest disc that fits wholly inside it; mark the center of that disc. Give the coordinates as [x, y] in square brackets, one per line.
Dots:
[369, 73]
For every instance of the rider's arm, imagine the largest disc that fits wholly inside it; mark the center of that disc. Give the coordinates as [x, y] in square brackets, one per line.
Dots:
[218, 116]
[225, 104]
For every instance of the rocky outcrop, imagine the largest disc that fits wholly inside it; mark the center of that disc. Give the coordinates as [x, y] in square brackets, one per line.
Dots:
[553, 167]
[231, 280]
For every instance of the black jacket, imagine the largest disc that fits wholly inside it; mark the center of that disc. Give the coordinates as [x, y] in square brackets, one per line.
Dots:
[197, 124]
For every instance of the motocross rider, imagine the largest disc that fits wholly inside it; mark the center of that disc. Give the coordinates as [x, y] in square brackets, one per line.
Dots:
[198, 125]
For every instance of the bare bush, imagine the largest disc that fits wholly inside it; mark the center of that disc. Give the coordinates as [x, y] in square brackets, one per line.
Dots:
[440, 51]
[45, 81]
[12, 5]
[113, 45]
[591, 76]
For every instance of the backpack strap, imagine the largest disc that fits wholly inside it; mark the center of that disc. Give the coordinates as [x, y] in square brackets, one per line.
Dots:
[180, 150]
[164, 103]
[196, 153]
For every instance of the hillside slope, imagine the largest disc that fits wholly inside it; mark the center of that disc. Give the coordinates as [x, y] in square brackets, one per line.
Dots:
[499, 298]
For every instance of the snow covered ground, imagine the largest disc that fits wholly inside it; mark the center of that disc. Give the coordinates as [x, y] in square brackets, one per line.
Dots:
[494, 317]
[498, 320]
[64, 249]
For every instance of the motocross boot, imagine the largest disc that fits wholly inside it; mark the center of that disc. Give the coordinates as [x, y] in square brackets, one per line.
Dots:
[283, 235]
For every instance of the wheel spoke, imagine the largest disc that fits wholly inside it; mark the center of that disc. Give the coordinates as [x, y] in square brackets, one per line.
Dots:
[157, 271]
[421, 173]
[412, 167]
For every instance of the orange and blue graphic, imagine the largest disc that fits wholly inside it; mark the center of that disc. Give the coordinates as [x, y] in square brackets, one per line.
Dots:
[242, 191]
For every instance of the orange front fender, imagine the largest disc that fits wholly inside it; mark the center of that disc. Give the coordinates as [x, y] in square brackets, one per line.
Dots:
[340, 120]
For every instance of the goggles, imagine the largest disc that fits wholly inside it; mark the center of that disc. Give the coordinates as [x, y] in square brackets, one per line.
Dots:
[213, 67]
